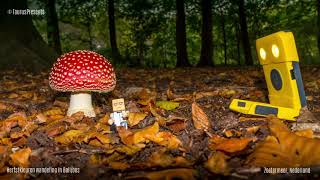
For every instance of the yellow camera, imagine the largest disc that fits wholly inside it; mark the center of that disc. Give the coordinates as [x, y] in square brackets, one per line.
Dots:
[278, 56]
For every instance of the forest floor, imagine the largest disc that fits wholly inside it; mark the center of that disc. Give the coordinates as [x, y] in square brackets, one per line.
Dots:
[181, 127]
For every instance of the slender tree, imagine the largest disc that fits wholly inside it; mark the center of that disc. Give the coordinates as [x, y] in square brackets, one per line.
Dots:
[318, 24]
[21, 45]
[181, 39]
[244, 32]
[224, 36]
[112, 30]
[206, 34]
[53, 26]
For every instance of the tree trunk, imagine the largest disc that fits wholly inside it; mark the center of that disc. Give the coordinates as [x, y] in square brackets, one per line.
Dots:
[112, 31]
[318, 24]
[206, 34]
[238, 43]
[224, 39]
[53, 26]
[181, 40]
[88, 26]
[244, 33]
[21, 46]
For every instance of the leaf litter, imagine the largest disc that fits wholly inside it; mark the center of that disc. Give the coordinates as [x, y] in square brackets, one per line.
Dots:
[178, 127]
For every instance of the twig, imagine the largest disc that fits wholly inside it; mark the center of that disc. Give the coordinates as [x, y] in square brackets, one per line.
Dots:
[84, 151]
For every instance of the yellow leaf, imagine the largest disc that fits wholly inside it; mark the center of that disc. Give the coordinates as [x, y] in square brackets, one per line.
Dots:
[21, 157]
[217, 163]
[140, 136]
[68, 136]
[135, 118]
[146, 133]
[130, 149]
[166, 139]
[53, 111]
[167, 105]
[199, 117]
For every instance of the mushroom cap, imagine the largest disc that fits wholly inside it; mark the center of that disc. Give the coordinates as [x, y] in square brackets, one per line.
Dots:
[82, 70]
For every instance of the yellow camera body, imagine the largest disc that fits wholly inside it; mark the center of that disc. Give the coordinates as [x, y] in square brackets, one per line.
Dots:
[279, 58]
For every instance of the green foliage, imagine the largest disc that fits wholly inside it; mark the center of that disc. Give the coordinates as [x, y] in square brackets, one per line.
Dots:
[146, 28]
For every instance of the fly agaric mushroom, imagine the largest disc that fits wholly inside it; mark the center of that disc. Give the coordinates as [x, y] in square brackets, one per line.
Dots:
[81, 72]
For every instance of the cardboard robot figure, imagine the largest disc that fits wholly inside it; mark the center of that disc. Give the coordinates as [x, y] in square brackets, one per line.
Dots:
[119, 115]
[279, 58]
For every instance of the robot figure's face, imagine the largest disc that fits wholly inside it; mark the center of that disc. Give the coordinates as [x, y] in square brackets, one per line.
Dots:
[277, 48]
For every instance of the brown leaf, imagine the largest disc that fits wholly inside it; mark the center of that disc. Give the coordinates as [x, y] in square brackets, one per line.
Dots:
[140, 136]
[21, 157]
[41, 118]
[166, 139]
[181, 173]
[129, 149]
[135, 118]
[253, 129]
[163, 159]
[232, 133]
[229, 145]
[161, 120]
[199, 117]
[217, 163]
[177, 125]
[3, 106]
[305, 133]
[119, 165]
[285, 149]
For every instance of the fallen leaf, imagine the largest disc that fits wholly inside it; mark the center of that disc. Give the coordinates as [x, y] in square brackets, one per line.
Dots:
[135, 118]
[285, 149]
[232, 133]
[217, 163]
[177, 125]
[160, 158]
[181, 173]
[129, 149]
[166, 139]
[199, 117]
[53, 111]
[3, 106]
[140, 136]
[164, 159]
[68, 136]
[79, 136]
[21, 157]
[229, 145]
[161, 120]
[305, 133]
[252, 129]
[119, 165]
[167, 105]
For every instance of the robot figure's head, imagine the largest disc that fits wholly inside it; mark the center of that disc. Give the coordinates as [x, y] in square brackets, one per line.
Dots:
[277, 48]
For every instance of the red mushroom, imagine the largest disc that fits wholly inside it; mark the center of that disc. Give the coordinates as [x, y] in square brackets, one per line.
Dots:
[82, 72]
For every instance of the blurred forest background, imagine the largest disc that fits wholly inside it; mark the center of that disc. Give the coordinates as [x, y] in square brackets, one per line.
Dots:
[164, 33]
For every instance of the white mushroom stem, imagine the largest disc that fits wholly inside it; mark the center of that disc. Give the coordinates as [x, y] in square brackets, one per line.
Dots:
[81, 102]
